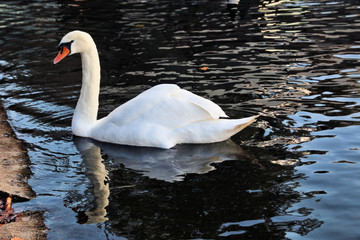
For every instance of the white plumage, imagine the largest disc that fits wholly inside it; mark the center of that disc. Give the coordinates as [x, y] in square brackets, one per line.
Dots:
[162, 116]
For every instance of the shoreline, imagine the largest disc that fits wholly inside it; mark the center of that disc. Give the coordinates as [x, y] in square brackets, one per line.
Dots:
[14, 174]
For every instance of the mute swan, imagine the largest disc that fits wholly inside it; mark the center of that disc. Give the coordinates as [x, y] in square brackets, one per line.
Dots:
[162, 116]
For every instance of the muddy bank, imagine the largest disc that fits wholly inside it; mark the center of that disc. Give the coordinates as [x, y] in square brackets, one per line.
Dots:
[14, 162]
[14, 173]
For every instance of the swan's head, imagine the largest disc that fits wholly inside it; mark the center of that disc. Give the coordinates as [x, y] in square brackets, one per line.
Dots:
[73, 42]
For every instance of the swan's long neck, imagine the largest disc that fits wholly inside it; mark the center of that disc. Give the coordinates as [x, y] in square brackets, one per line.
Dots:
[86, 110]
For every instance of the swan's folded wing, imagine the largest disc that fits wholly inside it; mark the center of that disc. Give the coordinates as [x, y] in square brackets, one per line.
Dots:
[166, 105]
[213, 109]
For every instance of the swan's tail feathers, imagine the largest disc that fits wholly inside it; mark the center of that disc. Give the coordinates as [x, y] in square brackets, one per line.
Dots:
[246, 122]
[215, 130]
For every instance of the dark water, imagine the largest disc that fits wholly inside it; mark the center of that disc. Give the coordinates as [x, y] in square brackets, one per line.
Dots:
[293, 174]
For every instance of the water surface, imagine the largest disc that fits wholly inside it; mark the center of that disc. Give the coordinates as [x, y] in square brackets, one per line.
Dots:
[292, 174]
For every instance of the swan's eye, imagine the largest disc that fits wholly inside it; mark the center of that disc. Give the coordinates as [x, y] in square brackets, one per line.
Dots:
[67, 45]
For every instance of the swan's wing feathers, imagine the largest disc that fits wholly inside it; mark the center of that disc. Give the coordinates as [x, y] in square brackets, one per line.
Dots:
[166, 105]
[172, 90]
[213, 109]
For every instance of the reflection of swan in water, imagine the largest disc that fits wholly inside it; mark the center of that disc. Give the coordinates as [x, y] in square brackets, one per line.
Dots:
[167, 165]
[98, 175]
[171, 164]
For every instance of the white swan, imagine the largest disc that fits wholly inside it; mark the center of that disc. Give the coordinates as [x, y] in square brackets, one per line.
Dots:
[162, 116]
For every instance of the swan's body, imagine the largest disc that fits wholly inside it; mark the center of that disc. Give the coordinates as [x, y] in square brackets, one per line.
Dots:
[162, 116]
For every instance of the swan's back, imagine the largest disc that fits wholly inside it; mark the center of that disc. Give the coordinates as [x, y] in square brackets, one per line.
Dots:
[167, 105]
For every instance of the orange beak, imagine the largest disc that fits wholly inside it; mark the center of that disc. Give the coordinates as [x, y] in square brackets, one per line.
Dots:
[62, 54]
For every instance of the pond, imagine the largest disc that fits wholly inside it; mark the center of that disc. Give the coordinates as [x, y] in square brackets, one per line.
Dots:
[293, 174]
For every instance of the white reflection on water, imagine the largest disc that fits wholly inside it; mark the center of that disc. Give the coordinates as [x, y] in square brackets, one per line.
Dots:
[167, 165]
[161, 164]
